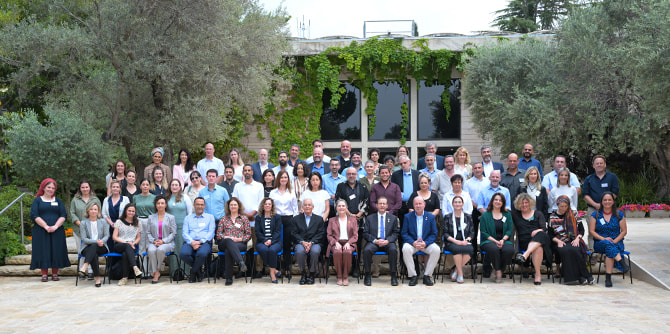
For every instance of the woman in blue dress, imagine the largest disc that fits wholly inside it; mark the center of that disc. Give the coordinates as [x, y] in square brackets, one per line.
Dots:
[49, 246]
[180, 206]
[607, 226]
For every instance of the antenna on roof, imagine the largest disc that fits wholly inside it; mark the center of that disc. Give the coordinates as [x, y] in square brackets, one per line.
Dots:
[304, 28]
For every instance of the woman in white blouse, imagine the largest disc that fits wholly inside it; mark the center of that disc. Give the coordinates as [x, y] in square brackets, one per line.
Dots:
[319, 197]
[563, 187]
[286, 205]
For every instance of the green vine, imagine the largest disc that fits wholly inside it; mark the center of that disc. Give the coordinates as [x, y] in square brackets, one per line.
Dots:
[362, 64]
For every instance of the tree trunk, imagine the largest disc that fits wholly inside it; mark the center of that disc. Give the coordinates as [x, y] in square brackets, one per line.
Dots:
[661, 160]
[137, 161]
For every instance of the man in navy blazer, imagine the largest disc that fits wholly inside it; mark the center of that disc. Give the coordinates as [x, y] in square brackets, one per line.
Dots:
[308, 234]
[439, 160]
[262, 164]
[489, 165]
[419, 233]
[381, 241]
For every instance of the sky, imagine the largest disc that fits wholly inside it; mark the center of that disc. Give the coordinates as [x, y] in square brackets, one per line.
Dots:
[346, 17]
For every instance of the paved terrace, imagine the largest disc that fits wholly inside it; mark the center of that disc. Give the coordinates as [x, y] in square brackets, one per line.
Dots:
[28, 305]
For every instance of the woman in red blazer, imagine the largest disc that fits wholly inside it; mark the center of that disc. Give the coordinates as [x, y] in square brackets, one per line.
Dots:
[342, 237]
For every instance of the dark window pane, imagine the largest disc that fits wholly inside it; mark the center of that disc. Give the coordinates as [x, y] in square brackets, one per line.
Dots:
[433, 122]
[344, 121]
[388, 117]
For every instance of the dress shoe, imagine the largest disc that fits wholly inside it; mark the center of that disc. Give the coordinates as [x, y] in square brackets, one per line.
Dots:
[137, 271]
[413, 280]
[275, 282]
[394, 279]
[310, 280]
[487, 273]
[123, 281]
[193, 278]
[519, 259]
[303, 279]
[229, 281]
[243, 267]
[367, 280]
[427, 281]
[154, 282]
[97, 285]
[199, 276]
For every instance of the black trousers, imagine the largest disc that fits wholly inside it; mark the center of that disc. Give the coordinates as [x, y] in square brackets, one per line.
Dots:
[128, 257]
[91, 253]
[287, 225]
[500, 257]
[370, 249]
[233, 254]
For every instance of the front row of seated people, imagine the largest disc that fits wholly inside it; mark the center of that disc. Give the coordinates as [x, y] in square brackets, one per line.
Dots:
[537, 240]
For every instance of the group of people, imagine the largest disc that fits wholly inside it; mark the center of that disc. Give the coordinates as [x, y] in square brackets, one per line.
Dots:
[336, 207]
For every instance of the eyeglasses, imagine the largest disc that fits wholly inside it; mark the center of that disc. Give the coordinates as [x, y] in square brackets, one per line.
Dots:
[195, 178]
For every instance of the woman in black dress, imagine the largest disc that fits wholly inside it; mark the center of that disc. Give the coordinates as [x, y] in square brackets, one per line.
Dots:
[567, 235]
[49, 246]
[531, 227]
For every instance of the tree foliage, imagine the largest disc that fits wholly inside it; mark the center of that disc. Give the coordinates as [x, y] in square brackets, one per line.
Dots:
[66, 149]
[525, 16]
[599, 88]
[149, 72]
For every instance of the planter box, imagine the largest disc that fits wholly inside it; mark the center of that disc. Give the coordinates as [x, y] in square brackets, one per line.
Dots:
[635, 214]
[659, 214]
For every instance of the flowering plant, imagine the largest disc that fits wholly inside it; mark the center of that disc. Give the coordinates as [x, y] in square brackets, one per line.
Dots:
[68, 232]
[581, 214]
[634, 207]
[661, 206]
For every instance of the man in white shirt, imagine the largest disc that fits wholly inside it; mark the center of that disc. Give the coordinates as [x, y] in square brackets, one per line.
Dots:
[250, 193]
[211, 162]
[317, 143]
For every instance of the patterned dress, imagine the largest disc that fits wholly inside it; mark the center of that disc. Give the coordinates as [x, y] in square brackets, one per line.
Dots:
[609, 229]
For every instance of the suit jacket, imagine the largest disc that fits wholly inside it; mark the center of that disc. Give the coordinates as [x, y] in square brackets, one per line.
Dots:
[334, 232]
[275, 227]
[487, 227]
[326, 168]
[409, 231]
[397, 178]
[314, 233]
[448, 227]
[169, 228]
[497, 166]
[439, 163]
[256, 167]
[86, 235]
[391, 227]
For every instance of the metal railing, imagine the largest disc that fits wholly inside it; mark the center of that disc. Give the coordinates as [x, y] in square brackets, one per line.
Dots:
[20, 200]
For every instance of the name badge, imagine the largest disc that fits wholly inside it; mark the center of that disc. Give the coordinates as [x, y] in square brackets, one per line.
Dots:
[238, 225]
[521, 179]
[352, 196]
[202, 224]
[603, 185]
[206, 197]
[536, 193]
[54, 203]
[504, 219]
[602, 221]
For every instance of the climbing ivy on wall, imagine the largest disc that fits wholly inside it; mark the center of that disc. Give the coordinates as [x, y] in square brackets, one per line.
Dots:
[361, 64]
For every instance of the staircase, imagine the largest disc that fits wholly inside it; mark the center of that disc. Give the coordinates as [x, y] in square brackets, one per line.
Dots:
[19, 265]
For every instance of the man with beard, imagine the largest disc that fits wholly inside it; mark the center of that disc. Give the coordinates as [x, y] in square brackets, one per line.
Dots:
[294, 152]
[528, 160]
[229, 182]
[356, 163]
[283, 164]
[489, 165]
[318, 165]
[345, 155]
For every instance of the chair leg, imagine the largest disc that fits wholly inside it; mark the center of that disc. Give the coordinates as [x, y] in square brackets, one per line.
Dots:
[76, 281]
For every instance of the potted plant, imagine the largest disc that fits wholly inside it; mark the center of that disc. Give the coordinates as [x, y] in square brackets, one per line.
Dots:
[661, 210]
[634, 210]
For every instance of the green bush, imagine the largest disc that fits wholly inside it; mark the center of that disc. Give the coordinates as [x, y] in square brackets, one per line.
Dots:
[10, 245]
[10, 220]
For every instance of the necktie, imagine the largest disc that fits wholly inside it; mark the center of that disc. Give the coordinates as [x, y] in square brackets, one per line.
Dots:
[382, 229]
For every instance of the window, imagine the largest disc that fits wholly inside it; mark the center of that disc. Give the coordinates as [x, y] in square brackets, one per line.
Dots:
[433, 123]
[345, 120]
[388, 117]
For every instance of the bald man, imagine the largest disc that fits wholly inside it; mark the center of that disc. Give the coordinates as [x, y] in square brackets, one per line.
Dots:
[513, 176]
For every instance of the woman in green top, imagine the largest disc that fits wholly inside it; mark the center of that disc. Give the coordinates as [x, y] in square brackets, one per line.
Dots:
[496, 226]
[370, 179]
[180, 206]
[82, 198]
[144, 205]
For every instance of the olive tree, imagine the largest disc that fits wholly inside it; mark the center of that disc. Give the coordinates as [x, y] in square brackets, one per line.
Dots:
[151, 72]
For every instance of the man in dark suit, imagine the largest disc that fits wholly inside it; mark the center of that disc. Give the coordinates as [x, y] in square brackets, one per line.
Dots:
[318, 165]
[439, 160]
[408, 181]
[419, 234]
[489, 165]
[381, 232]
[262, 164]
[308, 233]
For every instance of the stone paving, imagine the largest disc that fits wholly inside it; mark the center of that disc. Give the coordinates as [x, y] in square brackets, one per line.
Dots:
[28, 305]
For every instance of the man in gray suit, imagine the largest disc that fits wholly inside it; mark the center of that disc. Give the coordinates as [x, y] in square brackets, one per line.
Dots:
[308, 234]
[381, 231]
